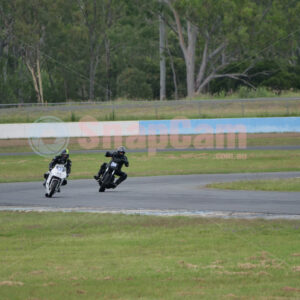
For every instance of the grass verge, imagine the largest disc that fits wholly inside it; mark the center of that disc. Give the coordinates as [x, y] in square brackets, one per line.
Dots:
[253, 140]
[278, 185]
[31, 167]
[94, 256]
[155, 110]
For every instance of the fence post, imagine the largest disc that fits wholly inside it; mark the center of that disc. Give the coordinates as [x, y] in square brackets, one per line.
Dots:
[287, 107]
[243, 108]
[156, 111]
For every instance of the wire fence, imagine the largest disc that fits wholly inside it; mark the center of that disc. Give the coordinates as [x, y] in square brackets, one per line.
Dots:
[137, 110]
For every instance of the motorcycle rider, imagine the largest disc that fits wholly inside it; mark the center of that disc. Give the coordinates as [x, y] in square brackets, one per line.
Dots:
[62, 159]
[119, 158]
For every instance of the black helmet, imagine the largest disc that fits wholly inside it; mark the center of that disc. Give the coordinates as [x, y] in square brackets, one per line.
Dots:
[65, 154]
[121, 150]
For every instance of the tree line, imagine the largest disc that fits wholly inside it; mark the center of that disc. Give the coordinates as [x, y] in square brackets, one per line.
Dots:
[102, 50]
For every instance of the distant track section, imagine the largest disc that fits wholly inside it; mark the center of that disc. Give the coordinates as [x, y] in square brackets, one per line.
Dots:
[165, 150]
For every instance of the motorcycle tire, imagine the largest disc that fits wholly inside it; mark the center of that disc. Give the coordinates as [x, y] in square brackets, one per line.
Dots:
[106, 179]
[53, 186]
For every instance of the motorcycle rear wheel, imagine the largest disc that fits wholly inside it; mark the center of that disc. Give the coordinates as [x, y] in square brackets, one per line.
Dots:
[102, 189]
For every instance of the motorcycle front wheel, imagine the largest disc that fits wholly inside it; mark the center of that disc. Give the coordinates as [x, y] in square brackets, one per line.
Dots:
[53, 186]
[105, 182]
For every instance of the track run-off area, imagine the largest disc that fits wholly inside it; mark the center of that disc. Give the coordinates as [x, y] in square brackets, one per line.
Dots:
[159, 195]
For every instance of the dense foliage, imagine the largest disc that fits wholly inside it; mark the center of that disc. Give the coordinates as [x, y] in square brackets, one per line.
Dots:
[108, 49]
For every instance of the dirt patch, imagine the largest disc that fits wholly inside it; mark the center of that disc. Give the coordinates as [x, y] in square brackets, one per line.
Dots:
[49, 284]
[76, 284]
[213, 266]
[36, 272]
[187, 265]
[11, 283]
[296, 269]
[262, 273]
[248, 266]
[169, 156]
[295, 254]
[290, 289]
[234, 273]
[263, 256]
[108, 278]
[217, 262]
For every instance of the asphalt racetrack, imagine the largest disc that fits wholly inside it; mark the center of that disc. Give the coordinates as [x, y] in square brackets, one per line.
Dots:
[158, 195]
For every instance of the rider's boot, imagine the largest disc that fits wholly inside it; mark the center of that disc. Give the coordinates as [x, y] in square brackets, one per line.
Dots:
[46, 175]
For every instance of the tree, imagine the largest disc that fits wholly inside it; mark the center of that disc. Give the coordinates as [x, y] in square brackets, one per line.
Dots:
[162, 51]
[29, 33]
[98, 18]
[214, 34]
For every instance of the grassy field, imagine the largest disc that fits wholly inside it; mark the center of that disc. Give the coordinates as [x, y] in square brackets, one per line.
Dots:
[260, 140]
[31, 167]
[152, 110]
[282, 185]
[95, 256]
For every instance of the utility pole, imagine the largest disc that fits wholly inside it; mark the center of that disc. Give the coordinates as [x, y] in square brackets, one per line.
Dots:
[162, 54]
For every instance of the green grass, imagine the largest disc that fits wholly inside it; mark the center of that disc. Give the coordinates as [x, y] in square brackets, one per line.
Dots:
[260, 140]
[279, 185]
[152, 110]
[248, 93]
[31, 167]
[98, 256]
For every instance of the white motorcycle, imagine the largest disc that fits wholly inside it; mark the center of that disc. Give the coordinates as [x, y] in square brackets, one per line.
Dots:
[55, 179]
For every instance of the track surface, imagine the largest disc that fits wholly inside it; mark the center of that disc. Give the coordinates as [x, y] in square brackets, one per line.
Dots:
[161, 193]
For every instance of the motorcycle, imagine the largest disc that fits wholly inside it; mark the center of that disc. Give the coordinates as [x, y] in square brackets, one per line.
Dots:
[108, 178]
[55, 180]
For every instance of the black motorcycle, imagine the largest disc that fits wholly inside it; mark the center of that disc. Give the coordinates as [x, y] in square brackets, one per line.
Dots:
[107, 180]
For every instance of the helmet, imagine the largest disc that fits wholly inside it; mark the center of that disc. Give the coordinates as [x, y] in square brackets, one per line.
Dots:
[65, 153]
[121, 150]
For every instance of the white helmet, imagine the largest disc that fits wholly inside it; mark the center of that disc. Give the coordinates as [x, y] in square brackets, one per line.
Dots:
[121, 150]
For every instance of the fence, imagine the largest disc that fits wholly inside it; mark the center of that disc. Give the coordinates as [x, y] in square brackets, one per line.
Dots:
[147, 110]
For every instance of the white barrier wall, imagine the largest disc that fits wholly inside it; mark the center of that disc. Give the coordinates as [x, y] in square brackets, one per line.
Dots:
[154, 127]
[71, 129]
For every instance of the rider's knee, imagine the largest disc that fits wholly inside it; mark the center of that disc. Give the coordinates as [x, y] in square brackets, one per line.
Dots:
[103, 167]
